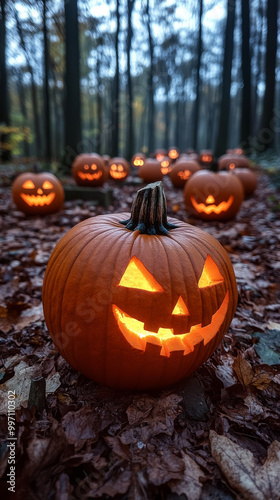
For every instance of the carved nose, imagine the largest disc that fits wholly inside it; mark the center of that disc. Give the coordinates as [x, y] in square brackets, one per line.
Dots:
[210, 199]
[39, 191]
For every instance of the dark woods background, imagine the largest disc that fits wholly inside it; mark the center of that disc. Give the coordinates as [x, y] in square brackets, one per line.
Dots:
[119, 76]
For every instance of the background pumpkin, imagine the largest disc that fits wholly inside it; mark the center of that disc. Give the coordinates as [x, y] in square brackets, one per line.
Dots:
[248, 178]
[120, 297]
[150, 171]
[138, 160]
[231, 161]
[213, 195]
[88, 169]
[38, 193]
[118, 168]
[182, 170]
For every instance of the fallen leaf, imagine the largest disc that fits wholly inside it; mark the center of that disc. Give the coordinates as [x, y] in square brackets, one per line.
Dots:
[251, 480]
[190, 484]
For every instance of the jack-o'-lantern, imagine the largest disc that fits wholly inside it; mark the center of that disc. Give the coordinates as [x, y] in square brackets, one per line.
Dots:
[118, 168]
[88, 169]
[150, 171]
[138, 160]
[232, 161]
[173, 153]
[38, 193]
[206, 157]
[148, 309]
[159, 154]
[182, 171]
[248, 178]
[213, 196]
[165, 165]
[236, 151]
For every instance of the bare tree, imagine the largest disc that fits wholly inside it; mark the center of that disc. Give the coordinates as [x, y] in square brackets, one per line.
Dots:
[4, 96]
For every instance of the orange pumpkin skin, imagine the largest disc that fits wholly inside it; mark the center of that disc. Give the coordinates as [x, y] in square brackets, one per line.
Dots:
[118, 168]
[213, 196]
[248, 178]
[88, 295]
[38, 193]
[150, 171]
[182, 170]
[232, 161]
[88, 169]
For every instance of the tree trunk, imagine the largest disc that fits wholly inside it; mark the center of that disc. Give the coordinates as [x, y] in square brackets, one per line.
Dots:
[222, 136]
[257, 43]
[99, 106]
[37, 127]
[47, 117]
[116, 89]
[198, 64]
[72, 114]
[4, 96]
[22, 103]
[130, 128]
[150, 84]
[245, 126]
[266, 132]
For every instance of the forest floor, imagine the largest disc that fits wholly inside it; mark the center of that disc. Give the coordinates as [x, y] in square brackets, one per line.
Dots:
[215, 435]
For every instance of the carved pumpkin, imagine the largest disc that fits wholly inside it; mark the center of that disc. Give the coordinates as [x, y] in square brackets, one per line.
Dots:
[213, 196]
[38, 193]
[138, 303]
[165, 165]
[88, 169]
[231, 161]
[118, 168]
[248, 178]
[206, 157]
[182, 170]
[237, 151]
[173, 153]
[159, 154]
[150, 171]
[138, 160]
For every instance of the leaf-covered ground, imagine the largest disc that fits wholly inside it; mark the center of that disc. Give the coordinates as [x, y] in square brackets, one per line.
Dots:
[213, 436]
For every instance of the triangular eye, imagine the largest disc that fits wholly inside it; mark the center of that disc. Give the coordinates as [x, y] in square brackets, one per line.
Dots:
[210, 275]
[28, 185]
[137, 276]
[47, 185]
[180, 308]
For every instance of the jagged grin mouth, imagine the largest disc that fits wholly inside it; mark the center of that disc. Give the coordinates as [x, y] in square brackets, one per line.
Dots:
[89, 177]
[135, 333]
[38, 200]
[208, 209]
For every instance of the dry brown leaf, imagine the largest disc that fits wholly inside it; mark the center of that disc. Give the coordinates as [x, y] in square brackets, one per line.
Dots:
[190, 484]
[249, 479]
[243, 370]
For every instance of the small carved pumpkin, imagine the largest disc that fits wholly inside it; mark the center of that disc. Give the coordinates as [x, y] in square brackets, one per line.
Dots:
[232, 161]
[150, 171]
[38, 193]
[173, 153]
[150, 307]
[159, 154]
[138, 160]
[165, 165]
[213, 196]
[118, 168]
[237, 151]
[248, 178]
[89, 170]
[206, 157]
[182, 170]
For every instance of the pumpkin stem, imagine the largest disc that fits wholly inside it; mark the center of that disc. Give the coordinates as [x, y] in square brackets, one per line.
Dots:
[148, 211]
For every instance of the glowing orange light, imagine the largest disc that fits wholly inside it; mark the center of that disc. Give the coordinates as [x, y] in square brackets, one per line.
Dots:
[47, 185]
[180, 308]
[210, 199]
[137, 275]
[37, 200]
[28, 185]
[210, 274]
[208, 209]
[231, 166]
[184, 174]
[135, 333]
[88, 176]
[173, 154]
